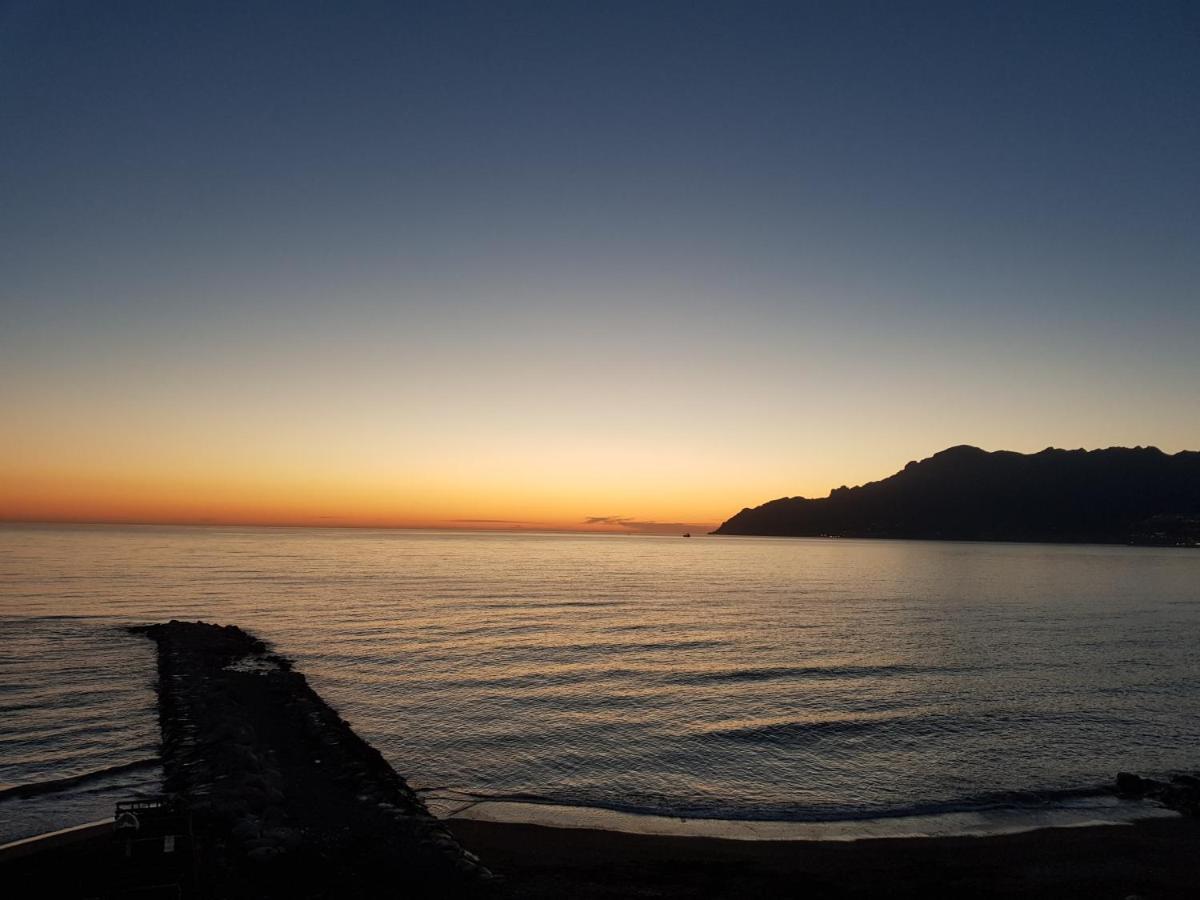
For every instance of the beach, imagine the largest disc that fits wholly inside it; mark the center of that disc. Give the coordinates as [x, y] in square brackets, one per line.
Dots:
[1153, 859]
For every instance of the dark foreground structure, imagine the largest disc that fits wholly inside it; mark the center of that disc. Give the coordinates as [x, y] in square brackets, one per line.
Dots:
[1154, 860]
[285, 799]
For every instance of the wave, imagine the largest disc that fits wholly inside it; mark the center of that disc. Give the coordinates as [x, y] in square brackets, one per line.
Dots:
[617, 647]
[47, 730]
[793, 732]
[569, 604]
[783, 672]
[53, 785]
[1013, 807]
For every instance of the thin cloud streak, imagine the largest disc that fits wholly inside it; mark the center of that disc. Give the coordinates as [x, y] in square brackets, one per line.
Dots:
[489, 522]
[643, 526]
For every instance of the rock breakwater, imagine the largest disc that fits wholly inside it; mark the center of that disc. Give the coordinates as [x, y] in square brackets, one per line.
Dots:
[286, 799]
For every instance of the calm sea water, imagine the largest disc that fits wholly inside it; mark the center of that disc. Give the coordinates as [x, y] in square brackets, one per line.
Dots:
[711, 677]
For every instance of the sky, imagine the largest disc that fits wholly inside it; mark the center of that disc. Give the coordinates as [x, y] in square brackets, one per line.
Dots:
[581, 265]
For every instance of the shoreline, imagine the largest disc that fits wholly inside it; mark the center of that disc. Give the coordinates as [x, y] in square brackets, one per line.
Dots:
[38, 843]
[1099, 811]
[1148, 858]
[953, 825]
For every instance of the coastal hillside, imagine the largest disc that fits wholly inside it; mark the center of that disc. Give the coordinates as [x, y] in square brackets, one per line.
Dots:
[1136, 495]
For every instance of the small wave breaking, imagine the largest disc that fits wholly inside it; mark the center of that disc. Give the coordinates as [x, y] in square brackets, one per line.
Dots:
[53, 785]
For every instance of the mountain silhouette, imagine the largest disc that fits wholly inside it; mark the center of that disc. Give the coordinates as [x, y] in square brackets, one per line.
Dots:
[1124, 495]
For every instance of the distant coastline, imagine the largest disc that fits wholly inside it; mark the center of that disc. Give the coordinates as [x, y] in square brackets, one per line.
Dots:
[1120, 495]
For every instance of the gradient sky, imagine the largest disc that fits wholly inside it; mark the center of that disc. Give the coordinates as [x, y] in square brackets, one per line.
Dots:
[470, 264]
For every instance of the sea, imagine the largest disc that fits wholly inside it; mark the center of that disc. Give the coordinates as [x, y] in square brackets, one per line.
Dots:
[624, 678]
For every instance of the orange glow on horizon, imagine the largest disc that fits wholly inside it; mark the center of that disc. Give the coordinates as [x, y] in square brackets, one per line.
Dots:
[290, 461]
[91, 498]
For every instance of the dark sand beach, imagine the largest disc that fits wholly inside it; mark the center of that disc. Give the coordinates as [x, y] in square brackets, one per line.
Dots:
[1153, 859]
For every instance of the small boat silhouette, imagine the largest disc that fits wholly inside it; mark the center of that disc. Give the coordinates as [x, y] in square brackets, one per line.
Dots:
[687, 534]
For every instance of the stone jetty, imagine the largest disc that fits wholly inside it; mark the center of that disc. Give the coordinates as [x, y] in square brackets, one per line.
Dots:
[286, 800]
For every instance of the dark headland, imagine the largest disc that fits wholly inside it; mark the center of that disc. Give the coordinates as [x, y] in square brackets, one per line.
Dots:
[1121, 495]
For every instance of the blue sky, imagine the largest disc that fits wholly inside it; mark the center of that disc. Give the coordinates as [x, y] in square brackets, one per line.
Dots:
[570, 243]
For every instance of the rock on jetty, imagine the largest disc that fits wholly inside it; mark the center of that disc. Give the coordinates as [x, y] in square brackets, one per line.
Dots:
[286, 800]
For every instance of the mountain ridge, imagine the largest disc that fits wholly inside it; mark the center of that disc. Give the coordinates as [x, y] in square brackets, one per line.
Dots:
[1126, 495]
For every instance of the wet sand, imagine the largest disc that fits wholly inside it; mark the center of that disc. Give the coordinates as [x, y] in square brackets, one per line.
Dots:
[1152, 859]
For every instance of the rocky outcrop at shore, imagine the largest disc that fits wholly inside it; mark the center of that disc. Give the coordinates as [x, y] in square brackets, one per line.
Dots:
[1181, 793]
[286, 799]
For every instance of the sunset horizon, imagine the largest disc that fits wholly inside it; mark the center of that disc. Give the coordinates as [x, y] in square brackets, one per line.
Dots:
[467, 296]
[31, 502]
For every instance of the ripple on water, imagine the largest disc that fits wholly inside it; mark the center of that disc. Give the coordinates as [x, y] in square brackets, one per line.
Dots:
[713, 677]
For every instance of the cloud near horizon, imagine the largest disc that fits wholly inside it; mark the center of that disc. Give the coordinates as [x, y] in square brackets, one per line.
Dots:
[650, 527]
